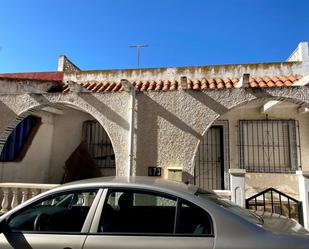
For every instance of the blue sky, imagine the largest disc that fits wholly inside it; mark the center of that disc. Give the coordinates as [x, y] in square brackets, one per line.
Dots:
[96, 34]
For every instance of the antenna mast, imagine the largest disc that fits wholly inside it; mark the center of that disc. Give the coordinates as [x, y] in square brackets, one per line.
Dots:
[139, 46]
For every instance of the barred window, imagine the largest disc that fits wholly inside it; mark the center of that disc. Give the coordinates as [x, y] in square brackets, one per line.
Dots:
[269, 145]
[99, 144]
[15, 146]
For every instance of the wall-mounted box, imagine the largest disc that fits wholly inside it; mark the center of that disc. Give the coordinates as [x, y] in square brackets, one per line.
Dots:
[175, 174]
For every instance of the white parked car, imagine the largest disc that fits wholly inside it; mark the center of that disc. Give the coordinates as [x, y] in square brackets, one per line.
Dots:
[140, 213]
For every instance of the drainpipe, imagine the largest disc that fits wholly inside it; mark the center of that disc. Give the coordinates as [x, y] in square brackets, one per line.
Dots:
[127, 86]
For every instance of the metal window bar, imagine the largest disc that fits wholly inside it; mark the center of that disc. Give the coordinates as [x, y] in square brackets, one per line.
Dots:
[269, 145]
[209, 171]
[98, 144]
[288, 206]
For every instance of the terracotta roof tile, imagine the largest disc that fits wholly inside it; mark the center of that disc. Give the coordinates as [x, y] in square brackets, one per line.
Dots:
[196, 84]
[204, 84]
[274, 81]
[174, 85]
[152, 85]
[35, 76]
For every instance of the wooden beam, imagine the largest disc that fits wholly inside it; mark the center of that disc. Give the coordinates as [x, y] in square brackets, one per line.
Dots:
[268, 105]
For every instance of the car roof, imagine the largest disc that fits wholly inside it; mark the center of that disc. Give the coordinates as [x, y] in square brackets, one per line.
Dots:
[143, 182]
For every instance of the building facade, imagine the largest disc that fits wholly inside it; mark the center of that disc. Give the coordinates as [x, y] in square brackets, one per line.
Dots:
[242, 128]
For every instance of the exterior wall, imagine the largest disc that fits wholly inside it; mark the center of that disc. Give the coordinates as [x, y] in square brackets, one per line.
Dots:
[21, 86]
[168, 125]
[256, 182]
[67, 136]
[110, 110]
[56, 139]
[34, 167]
[304, 142]
[197, 72]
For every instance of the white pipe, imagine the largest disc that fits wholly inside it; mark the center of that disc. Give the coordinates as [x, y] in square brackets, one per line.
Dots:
[131, 131]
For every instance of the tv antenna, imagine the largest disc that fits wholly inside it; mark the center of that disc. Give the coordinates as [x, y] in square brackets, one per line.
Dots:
[139, 46]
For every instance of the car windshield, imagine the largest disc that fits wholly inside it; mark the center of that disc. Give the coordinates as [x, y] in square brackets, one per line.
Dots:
[231, 206]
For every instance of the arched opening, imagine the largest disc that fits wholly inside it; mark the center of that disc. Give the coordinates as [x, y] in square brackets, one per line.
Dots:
[55, 143]
[265, 137]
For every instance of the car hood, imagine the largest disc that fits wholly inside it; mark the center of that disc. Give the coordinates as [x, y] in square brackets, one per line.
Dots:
[281, 224]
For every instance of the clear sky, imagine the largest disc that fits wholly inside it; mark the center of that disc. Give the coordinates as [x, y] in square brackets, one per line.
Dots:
[96, 34]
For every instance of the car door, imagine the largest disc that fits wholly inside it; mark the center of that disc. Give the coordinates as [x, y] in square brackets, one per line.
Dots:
[59, 220]
[140, 219]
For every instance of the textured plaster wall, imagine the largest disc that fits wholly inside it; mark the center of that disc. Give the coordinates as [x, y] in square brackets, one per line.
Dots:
[34, 167]
[23, 86]
[197, 72]
[67, 136]
[256, 182]
[111, 110]
[170, 125]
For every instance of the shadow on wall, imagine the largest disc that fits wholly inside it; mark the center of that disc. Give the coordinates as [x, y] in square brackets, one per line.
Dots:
[7, 118]
[80, 165]
[208, 101]
[107, 111]
[149, 112]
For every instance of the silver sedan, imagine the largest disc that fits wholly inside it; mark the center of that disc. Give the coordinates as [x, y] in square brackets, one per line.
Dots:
[139, 213]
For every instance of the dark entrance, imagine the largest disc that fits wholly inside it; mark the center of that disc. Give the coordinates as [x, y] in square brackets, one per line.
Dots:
[274, 201]
[209, 164]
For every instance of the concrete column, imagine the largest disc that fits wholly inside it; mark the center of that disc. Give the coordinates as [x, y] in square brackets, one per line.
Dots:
[303, 51]
[237, 184]
[303, 183]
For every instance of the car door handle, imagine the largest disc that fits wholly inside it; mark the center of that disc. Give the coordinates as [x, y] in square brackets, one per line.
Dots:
[67, 248]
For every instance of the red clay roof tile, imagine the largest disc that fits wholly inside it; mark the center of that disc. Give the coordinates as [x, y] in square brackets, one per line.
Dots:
[36, 76]
[196, 84]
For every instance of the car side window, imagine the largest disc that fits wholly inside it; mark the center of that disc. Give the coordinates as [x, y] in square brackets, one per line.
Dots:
[193, 220]
[64, 212]
[138, 212]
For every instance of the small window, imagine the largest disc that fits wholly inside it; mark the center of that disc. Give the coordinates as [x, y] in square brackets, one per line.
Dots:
[57, 213]
[138, 212]
[269, 145]
[193, 221]
[16, 144]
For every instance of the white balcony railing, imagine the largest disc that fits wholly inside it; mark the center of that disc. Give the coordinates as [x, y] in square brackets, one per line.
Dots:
[13, 194]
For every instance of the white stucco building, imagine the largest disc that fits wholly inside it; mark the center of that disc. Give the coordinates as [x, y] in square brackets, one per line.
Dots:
[242, 128]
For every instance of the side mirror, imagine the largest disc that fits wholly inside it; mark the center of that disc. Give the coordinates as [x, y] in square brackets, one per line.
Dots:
[3, 226]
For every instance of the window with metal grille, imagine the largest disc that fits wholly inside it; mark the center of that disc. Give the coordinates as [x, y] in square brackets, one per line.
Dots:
[269, 145]
[98, 144]
[16, 145]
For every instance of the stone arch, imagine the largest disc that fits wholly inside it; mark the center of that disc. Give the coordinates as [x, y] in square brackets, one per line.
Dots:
[26, 104]
[233, 99]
